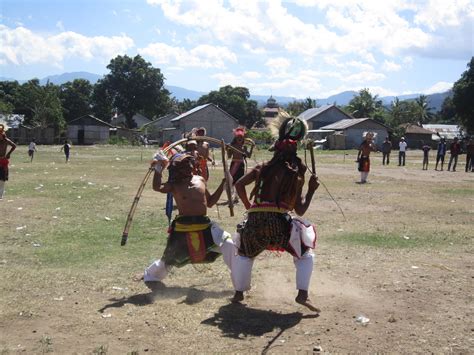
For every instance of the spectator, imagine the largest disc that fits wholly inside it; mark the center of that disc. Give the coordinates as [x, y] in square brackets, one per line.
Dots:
[440, 154]
[386, 150]
[454, 149]
[470, 155]
[426, 151]
[402, 150]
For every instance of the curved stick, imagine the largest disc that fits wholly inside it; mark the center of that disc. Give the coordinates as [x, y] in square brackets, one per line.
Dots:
[134, 206]
[228, 188]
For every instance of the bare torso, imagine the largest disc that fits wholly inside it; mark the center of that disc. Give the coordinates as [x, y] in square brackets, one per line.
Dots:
[190, 196]
[366, 148]
[203, 150]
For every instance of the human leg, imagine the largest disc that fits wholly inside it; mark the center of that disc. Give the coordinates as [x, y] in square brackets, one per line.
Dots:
[399, 158]
[384, 156]
[241, 276]
[304, 269]
[388, 158]
[455, 162]
[2, 188]
[157, 271]
[451, 158]
[403, 158]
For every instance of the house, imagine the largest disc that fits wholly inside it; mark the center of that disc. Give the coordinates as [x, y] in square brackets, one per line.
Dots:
[323, 116]
[218, 123]
[447, 131]
[88, 130]
[353, 131]
[417, 136]
[120, 120]
[21, 133]
[155, 130]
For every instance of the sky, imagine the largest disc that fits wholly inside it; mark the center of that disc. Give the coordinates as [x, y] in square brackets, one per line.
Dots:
[300, 48]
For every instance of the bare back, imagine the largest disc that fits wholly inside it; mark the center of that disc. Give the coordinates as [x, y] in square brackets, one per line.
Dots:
[4, 143]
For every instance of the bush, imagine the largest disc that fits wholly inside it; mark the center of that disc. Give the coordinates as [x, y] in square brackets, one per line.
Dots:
[118, 140]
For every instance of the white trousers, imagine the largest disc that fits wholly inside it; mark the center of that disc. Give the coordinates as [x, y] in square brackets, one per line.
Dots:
[363, 176]
[158, 270]
[2, 188]
[242, 271]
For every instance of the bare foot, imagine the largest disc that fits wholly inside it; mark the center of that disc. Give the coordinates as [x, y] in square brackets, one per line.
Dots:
[307, 303]
[138, 277]
[238, 297]
[303, 299]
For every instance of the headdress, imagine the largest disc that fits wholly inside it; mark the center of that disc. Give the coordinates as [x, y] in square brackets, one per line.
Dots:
[370, 135]
[288, 130]
[239, 131]
[200, 129]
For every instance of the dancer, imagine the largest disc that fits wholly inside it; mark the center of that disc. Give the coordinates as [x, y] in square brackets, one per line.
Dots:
[4, 157]
[193, 237]
[278, 188]
[363, 159]
[237, 165]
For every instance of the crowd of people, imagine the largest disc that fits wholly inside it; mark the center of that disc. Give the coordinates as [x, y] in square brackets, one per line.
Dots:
[455, 148]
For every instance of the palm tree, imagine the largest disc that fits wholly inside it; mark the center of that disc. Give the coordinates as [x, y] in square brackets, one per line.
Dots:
[423, 111]
[364, 104]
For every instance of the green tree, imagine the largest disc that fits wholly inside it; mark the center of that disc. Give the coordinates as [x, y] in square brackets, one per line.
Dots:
[75, 98]
[40, 104]
[423, 112]
[183, 106]
[463, 98]
[365, 105]
[235, 101]
[8, 96]
[102, 104]
[134, 86]
[297, 107]
[447, 114]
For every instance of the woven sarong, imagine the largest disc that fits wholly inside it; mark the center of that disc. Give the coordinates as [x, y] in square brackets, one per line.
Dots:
[189, 241]
[364, 164]
[3, 169]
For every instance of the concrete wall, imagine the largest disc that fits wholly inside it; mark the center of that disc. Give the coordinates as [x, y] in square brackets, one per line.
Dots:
[354, 136]
[217, 123]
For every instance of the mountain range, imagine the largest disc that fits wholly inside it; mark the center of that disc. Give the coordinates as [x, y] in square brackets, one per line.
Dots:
[435, 100]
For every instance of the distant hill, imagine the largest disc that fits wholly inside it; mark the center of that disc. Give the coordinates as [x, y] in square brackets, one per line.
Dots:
[343, 98]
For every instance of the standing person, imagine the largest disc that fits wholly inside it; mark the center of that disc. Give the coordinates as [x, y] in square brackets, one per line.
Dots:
[278, 188]
[454, 149]
[402, 146]
[470, 155]
[66, 148]
[4, 158]
[426, 151]
[441, 153]
[203, 151]
[193, 237]
[32, 149]
[363, 159]
[386, 150]
[237, 165]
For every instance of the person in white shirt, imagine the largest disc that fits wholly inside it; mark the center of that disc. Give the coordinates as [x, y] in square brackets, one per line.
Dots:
[402, 150]
[32, 149]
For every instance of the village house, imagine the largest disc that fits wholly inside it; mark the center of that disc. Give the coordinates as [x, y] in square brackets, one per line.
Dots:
[417, 136]
[323, 116]
[349, 133]
[120, 120]
[218, 123]
[88, 129]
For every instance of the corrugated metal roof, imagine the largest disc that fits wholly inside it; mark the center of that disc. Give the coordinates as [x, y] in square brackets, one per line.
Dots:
[187, 113]
[346, 123]
[310, 113]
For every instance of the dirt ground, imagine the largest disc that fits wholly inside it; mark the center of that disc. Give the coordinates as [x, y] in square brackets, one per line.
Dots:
[417, 300]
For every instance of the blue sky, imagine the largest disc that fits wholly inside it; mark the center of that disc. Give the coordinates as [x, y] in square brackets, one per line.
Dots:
[294, 48]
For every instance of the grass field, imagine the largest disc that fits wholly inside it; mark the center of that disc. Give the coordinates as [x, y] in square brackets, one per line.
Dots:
[60, 229]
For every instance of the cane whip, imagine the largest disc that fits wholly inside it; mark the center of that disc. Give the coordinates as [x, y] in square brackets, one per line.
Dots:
[228, 188]
[150, 170]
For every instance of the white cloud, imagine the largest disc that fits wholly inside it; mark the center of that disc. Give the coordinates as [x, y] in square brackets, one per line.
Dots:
[21, 46]
[391, 66]
[202, 56]
[229, 79]
[364, 77]
[441, 86]
[251, 75]
[278, 66]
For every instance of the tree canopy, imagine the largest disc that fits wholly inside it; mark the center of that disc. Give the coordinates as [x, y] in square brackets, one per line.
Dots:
[365, 105]
[235, 101]
[133, 86]
[75, 98]
[463, 97]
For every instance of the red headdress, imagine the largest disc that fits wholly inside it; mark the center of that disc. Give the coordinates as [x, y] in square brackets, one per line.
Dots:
[239, 131]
